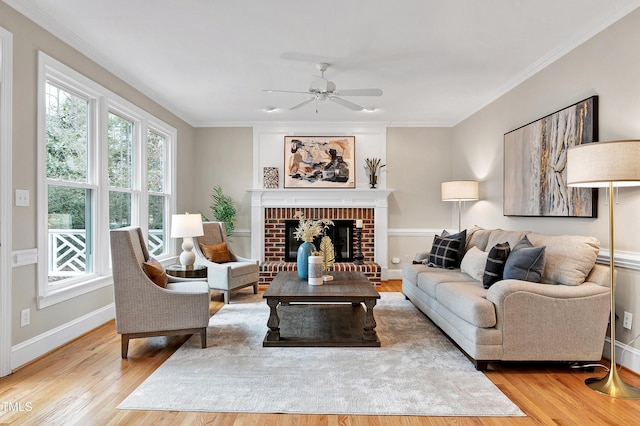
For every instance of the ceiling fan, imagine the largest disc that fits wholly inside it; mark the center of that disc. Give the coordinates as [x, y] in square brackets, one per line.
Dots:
[322, 89]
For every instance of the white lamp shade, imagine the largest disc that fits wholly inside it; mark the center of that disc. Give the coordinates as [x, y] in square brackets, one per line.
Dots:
[597, 164]
[186, 225]
[460, 190]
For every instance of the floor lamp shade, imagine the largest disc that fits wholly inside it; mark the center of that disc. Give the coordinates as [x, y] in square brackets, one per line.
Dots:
[186, 226]
[460, 190]
[607, 164]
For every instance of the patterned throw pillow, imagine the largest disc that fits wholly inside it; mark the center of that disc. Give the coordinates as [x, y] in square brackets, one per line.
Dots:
[444, 252]
[460, 236]
[495, 264]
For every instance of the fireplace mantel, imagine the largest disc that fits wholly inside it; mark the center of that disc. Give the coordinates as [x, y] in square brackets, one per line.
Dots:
[335, 198]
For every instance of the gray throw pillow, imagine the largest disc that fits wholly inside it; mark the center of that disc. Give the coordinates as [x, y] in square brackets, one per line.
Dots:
[525, 262]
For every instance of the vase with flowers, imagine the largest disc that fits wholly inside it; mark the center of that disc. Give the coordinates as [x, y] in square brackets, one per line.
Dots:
[373, 167]
[307, 231]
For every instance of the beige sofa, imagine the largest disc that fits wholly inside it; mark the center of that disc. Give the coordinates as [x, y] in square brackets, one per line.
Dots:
[562, 318]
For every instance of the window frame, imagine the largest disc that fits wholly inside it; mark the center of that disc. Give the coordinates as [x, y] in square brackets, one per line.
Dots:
[102, 102]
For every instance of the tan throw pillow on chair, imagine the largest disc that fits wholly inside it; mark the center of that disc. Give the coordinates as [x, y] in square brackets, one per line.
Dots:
[216, 253]
[155, 271]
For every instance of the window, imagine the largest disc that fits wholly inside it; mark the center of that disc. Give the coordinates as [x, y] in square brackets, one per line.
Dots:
[105, 165]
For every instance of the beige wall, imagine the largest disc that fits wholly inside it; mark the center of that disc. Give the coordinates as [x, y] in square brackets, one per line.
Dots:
[607, 66]
[28, 38]
[418, 160]
[224, 156]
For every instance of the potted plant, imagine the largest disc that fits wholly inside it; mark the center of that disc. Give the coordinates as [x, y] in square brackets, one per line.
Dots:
[223, 208]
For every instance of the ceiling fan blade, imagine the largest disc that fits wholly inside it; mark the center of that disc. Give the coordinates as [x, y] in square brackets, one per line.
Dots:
[301, 104]
[359, 92]
[347, 104]
[284, 91]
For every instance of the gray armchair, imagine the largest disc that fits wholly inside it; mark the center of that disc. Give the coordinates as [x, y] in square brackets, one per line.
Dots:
[144, 309]
[224, 277]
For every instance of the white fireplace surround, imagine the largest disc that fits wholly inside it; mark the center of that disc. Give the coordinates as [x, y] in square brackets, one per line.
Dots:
[327, 198]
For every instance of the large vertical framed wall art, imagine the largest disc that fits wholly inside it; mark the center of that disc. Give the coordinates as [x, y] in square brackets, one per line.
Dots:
[535, 160]
[319, 161]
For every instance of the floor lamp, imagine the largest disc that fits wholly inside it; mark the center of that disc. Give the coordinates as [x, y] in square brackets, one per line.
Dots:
[607, 164]
[460, 190]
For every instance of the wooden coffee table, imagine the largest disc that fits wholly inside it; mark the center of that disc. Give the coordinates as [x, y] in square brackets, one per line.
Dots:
[331, 314]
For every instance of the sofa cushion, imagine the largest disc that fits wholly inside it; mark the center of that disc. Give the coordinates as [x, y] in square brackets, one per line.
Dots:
[501, 236]
[495, 264]
[468, 301]
[478, 237]
[569, 258]
[474, 262]
[430, 280]
[444, 252]
[525, 262]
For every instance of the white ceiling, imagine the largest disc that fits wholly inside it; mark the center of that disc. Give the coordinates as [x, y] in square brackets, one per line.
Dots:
[437, 61]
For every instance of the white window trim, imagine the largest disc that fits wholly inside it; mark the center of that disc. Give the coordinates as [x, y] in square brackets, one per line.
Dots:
[103, 101]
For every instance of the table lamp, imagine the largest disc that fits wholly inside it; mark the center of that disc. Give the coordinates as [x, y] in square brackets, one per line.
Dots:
[460, 190]
[186, 226]
[607, 165]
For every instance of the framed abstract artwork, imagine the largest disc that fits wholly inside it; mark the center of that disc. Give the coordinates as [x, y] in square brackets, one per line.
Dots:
[319, 161]
[535, 159]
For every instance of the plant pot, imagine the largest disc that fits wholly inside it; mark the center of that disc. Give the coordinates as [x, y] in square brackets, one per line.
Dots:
[304, 251]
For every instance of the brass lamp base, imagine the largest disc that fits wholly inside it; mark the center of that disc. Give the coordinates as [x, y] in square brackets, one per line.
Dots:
[612, 385]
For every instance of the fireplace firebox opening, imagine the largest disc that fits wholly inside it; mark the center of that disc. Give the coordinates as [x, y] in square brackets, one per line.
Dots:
[341, 234]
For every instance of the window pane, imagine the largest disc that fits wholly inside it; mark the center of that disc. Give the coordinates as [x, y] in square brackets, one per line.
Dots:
[119, 209]
[67, 135]
[157, 226]
[120, 152]
[156, 146]
[69, 217]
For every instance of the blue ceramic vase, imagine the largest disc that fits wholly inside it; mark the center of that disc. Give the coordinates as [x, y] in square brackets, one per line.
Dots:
[304, 251]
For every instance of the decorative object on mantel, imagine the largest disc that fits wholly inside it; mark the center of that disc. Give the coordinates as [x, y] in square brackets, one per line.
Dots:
[319, 161]
[597, 165]
[306, 231]
[270, 177]
[373, 167]
[535, 158]
[460, 190]
[358, 257]
[315, 268]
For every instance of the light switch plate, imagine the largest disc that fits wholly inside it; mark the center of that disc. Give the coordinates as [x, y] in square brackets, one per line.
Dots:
[22, 197]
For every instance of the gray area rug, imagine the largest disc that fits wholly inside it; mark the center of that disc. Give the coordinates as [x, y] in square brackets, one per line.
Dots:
[417, 371]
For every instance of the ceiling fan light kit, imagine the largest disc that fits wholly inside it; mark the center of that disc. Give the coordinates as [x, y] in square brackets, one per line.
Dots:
[322, 89]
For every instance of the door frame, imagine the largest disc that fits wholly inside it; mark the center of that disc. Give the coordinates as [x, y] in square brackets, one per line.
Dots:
[6, 199]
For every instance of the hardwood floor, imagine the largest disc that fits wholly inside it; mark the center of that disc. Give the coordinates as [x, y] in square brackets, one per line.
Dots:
[83, 382]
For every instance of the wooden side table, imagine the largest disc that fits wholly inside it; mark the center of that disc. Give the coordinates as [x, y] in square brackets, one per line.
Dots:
[197, 272]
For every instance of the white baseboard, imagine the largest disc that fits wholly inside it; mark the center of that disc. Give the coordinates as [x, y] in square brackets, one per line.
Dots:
[31, 349]
[626, 355]
[394, 274]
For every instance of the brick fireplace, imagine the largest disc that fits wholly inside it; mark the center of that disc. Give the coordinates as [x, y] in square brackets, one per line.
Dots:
[271, 207]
